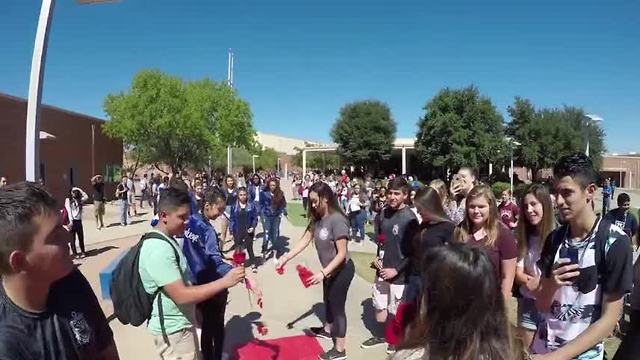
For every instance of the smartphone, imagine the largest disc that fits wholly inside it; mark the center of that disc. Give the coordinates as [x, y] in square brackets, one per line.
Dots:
[569, 253]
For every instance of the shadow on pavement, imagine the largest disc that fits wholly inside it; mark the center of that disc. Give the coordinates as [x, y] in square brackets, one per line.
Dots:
[239, 331]
[317, 310]
[369, 315]
[98, 251]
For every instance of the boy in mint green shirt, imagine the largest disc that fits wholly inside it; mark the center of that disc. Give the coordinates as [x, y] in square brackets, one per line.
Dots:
[159, 268]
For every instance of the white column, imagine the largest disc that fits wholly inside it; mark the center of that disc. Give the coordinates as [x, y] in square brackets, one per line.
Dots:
[304, 163]
[404, 160]
[490, 169]
[511, 171]
[286, 171]
[32, 139]
[228, 160]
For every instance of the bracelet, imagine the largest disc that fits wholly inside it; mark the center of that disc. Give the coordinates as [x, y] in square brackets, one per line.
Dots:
[324, 276]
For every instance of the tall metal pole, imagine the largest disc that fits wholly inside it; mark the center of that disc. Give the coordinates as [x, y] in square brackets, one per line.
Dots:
[511, 168]
[32, 139]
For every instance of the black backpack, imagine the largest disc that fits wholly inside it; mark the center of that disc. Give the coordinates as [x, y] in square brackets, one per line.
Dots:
[131, 303]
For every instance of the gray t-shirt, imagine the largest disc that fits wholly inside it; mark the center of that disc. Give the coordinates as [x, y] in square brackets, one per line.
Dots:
[325, 233]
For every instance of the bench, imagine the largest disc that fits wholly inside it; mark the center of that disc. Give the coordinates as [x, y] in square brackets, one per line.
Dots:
[107, 274]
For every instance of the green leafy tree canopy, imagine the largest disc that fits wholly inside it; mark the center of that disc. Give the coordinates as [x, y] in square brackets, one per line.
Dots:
[365, 132]
[181, 124]
[460, 128]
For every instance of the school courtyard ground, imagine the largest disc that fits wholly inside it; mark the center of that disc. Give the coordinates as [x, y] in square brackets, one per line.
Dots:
[289, 308]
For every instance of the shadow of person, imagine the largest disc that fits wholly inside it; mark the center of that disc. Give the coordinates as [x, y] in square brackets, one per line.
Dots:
[239, 332]
[369, 315]
[98, 251]
[317, 309]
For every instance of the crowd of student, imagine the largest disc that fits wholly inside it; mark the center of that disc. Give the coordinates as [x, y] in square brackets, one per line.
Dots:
[448, 261]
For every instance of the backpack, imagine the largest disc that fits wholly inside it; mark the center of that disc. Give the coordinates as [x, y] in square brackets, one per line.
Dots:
[131, 302]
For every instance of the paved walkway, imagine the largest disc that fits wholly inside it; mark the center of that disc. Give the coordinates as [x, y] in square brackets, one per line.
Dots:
[285, 299]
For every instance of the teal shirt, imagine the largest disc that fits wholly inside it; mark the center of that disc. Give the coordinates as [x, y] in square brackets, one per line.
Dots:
[158, 267]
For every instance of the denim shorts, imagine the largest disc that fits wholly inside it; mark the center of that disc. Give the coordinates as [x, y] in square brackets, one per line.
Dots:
[528, 316]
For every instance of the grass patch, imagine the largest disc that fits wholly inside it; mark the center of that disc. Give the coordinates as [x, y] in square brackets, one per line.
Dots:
[362, 262]
[297, 215]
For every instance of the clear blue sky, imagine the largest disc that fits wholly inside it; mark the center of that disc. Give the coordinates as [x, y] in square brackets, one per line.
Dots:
[298, 62]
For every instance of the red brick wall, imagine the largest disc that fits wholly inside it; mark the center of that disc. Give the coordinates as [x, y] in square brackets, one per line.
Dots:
[72, 147]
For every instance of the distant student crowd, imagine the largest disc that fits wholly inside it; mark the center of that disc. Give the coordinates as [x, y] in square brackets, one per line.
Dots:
[448, 262]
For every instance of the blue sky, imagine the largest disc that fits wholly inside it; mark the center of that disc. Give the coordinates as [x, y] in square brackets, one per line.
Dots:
[298, 62]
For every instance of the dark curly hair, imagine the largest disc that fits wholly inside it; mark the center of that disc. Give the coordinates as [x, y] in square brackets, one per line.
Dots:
[578, 166]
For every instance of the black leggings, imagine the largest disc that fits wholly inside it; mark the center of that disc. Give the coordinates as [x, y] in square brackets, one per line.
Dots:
[212, 337]
[245, 241]
[334, 290]
[76, 229]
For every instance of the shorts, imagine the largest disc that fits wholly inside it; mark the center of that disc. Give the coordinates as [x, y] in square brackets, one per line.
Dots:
[131, 197]
[387, 296]
[98, 208]
[528, 316]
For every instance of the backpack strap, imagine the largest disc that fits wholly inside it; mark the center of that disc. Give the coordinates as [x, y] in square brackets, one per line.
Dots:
[151, 235]
[601, 239]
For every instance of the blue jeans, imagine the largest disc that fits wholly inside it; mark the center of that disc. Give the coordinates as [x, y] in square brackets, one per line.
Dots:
[124, 210]
[271, 232]
[357, 224]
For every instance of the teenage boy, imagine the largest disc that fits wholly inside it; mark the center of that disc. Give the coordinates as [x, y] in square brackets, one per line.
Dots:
[622, 217]
[47, 308]
[174, 334]
[586, 270]
[398, 225]
[508, 210]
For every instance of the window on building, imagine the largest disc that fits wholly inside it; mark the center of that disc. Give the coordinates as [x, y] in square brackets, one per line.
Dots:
[112, 173]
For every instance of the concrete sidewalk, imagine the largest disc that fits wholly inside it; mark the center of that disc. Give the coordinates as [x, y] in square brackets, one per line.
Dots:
[285, 299]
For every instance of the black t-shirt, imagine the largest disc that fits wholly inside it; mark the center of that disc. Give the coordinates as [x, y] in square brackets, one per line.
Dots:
[429, 236]
[124, 190]
[399, 227]
[72, 327]
[98, 191]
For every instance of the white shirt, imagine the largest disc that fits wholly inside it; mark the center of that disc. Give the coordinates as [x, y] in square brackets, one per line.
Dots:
[528, 263]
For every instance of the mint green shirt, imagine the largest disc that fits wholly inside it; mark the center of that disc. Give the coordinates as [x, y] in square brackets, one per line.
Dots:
[158, 267]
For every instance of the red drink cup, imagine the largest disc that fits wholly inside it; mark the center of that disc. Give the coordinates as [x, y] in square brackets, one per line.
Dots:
[304, 275]
[280, 269]
[381, 239]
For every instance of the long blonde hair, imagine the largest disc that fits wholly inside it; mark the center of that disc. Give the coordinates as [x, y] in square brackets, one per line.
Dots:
[492, 227]
[545, 226]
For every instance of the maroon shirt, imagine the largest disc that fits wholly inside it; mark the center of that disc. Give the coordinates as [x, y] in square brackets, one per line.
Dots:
[505, 248]
[508, 213]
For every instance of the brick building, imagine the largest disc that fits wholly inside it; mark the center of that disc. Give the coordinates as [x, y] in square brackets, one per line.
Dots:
[624, 169]
[72, 148]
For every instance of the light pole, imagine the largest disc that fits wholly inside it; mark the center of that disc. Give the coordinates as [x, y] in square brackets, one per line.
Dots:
[512, 143]
[278, 168]
[34, 102]
[590, 118]
[253, 161]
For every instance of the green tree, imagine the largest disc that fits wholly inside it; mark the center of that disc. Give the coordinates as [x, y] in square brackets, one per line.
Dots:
[317, 160]
[548, 134]
[365, 132]
[181, 124]
[267, 159]
[460, 128]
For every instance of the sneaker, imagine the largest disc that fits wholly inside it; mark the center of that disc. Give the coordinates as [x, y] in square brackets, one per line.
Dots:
[254, 269]
[320, 332]
[372, 342]
[391, 349]
[333, 354]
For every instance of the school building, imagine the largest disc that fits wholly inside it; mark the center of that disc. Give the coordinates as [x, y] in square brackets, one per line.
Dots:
[72, 148]
[623, 168]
